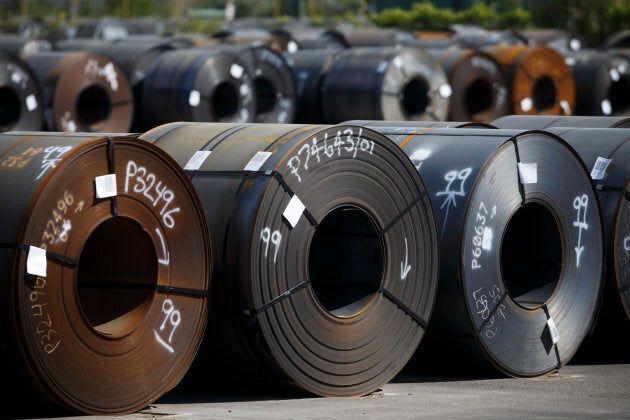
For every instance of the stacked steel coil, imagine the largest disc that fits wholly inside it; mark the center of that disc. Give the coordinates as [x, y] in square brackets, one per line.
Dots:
[102, 309]
[325, 252]
[83, 92]
[21, 96]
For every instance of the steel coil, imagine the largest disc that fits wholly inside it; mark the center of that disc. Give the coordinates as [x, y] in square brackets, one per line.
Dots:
[480, 92]
[534, 122]
[558, 39]
[106, 264]
[319, 38]
[83, 92]
[540, 81]
[520, 246]
[602, 82]
[381, 83]
[135, 57]
[199, 85]
[21, 96]
[325, 253]
[378, 37]
[19, 45]
[309, 69]
[619, 39]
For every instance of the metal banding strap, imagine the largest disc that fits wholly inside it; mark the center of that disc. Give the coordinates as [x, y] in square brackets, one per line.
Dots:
[491, 314]
[49, 255]
[555, 346]
[278, 299]
[184, 291]
[402, 214]
[521, 187]
[112, 170]
[417, 318]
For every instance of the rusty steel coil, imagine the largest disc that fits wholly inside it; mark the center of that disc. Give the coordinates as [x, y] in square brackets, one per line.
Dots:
[83, 92]
[134, 56]
[309, 71]
[199, 85]
[534, 122]
[602, 82]
[106, 267]
[480, 92]
[382, 83]
[21, 96]
[325, 253]
[540, 82]
[521, 251]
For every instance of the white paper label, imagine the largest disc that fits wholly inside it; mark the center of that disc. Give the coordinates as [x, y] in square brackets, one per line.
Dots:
[382, 67]
[528, 173]
[292, 47]
[36, 261]
[257, 161]
[555, 335]
[31, 102]
[194, 98]
[397, 62]
[599, 168]
[486, 241]
[606, 107]
[196, 160]
[294, 210]
[105, 186]
[446, 91]
[236, 71]
[16, 77]
[614, 75]
[566, 108]
[527, 104]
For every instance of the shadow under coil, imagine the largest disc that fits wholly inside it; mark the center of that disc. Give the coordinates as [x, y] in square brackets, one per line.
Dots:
[325, 253]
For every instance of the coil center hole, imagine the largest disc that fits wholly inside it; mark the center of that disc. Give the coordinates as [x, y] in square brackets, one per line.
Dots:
[265, 95]
[415, 97]
[9, 108]
[346, 261]
[531, 255]
[93, 106]
[544, 93]
[224, 101]
[117, 276]
[478, 97]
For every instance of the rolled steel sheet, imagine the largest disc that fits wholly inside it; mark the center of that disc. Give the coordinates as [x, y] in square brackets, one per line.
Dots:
[381, 83]
[534, 122]
[19, 45]
[274, 85]
[309, 71]
[606, 153]
[199, 85]
[540, 82]
[278, 40]
[134, 56]
[325, 253]
[480, 91]
[105, 260]
[521, 246]
[378, 37]
[319, 38]
[602, 82]
[558, 39]
[83, 92]
[21, 96]
[476, 38]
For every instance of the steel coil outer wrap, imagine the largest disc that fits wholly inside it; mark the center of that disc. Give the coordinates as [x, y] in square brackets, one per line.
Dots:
[99, 313]
[21, 96]
[380, 83]
[540, 81]
[520, 243]
[325, 258]
[537, 122]
[83, 92]
[200, 85]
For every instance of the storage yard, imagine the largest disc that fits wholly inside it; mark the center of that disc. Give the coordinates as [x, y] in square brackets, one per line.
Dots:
[314, 223]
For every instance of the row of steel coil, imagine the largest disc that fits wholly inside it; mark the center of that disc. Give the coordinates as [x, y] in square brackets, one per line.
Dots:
[131, 85]
[325, 256]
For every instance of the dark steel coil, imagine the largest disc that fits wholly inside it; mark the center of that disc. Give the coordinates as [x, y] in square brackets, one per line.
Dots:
[21, 96]
[135, 57]
[83, 92]
[309, 71]
[319, 38]
[279, 40]
[619, 39]
[382, 83]
[103, 300]
[535, 122]
[602, 82]
[559, 39]
[378, 37]
[200, 85]
[334, 301]
[540, 81]
[508, 259]
[480, 91]
[476, 38]
[19, 45]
